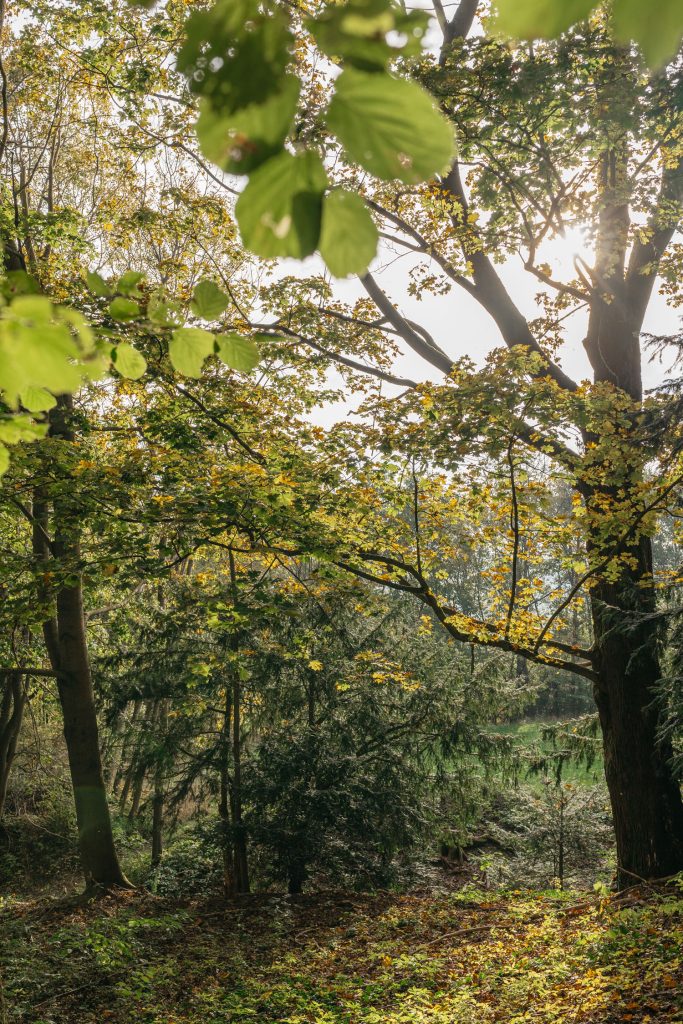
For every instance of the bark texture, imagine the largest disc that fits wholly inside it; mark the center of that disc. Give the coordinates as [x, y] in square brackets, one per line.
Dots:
[66, 643]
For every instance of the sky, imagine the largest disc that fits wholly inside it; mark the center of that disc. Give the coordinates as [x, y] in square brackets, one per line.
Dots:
[461, 327]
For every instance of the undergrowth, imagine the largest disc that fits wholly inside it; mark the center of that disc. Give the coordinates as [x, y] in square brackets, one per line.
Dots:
[426, 958]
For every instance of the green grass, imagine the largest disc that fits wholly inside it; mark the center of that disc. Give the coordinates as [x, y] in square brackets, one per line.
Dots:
[527, 737]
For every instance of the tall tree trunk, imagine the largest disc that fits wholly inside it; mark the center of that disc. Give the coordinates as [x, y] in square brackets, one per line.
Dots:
[12, 705]
[645, 797]
[96, 842]
[158, 797]
[241, 860]
[135, 773]
[240, 837]
[126, 746]
[229, 881]
[67, 647]
[138, 786]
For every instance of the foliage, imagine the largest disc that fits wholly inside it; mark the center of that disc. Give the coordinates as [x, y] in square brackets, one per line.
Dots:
[559, 836]
[387, 124]
[659, 38]
[435, 958]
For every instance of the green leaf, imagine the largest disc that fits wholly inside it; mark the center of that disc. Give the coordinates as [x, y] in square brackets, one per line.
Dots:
[4, 459]
[237, 352]
[236, 52]
[658, 30]
[35, 308]
[241, 141]
[128, 283]
[208, 300]
[97, 285]
[37, 355]
[658, 33]
[14, 429]
[162, 312]
[540, 19]
[369, 33]
[279, 211]
[79, 325]
[128, 361]
[18, 282]
[348, 239]
[37, 399]
[390, 126]
[188, 349]
[124, 309]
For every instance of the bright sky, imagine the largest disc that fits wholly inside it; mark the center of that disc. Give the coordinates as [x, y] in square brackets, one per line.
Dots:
[459, 324]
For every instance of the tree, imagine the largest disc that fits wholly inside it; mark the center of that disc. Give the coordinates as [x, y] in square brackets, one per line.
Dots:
[71, 185]
[562, 135]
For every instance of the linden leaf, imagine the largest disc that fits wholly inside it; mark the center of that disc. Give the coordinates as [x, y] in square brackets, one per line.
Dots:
[128, 361]
[37, 399]
[124, 309]
[279, 211]
[237, 352]
[208, 301]
[348, 238]
[188, 349]
[390, 126]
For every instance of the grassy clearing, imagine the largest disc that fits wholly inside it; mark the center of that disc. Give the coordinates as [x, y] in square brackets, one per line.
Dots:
[428, 958]
[528, 736]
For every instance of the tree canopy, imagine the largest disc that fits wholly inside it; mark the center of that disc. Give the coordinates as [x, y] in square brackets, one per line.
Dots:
[273, 531]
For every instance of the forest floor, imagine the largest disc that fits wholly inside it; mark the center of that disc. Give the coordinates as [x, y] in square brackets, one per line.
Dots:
[428, 957]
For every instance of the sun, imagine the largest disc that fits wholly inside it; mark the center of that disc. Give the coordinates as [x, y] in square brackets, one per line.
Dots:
[562, 252]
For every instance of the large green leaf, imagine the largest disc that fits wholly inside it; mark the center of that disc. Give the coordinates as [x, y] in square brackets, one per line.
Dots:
[162, 311]
[348, 239]
[208, 301]
[37, 357]
[657, 28]
[14, 429]
[97, 285]
[279, 211]
[236, 52]
[390, 126]
[540, 19]
[128, 361]
[240, 141]
[34, 308]
[18, 282]
[36, 350]
[188, 349]
[237, 352]
[369, 33]
[37, 399]
[124, 309]
[128, 283]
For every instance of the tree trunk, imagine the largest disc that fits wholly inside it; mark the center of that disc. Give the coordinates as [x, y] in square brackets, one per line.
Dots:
[11, 713]
[229, 882]
[158, 797]
[138, 787]
[68, 650]
[645, 798]
[126, 743]
[96, 842]
[241, 861]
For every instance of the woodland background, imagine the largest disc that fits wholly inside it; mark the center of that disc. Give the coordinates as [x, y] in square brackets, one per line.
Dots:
[340, 512]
